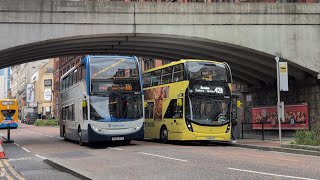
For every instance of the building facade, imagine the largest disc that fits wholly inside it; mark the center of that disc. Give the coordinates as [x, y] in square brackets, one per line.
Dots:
[42, 80]
[2, 92]
[5, 83]
[21, 76]
[149, 63]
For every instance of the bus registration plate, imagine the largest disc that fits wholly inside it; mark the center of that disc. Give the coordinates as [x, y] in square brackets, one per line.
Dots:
[210, 138]
[117, 138]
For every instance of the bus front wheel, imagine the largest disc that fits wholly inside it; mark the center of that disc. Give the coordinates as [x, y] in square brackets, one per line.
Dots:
[164, 135]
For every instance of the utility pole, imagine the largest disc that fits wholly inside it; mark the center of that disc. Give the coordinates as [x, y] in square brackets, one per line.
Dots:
[278, 93]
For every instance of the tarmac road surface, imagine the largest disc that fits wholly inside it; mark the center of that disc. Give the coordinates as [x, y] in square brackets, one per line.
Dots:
[151, 160]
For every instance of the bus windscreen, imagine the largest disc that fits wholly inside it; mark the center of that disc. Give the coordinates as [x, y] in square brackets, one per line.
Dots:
[113, 68]
[207, 71]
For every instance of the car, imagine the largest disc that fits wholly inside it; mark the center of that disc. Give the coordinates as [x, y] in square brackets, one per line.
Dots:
[30, 118]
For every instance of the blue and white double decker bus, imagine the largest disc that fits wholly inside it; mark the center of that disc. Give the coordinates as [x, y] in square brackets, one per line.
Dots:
[101, 99]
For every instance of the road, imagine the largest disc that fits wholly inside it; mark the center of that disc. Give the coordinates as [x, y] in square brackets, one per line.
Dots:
[151, 160]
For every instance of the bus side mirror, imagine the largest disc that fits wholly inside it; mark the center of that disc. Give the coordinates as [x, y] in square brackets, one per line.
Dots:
[146, 104]
[239, 104]
[179, 102]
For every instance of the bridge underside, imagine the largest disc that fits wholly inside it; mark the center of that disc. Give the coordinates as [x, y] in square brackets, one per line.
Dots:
[248, 66]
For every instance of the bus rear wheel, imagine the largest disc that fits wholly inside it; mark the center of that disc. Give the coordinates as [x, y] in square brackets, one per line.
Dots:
[164, 135]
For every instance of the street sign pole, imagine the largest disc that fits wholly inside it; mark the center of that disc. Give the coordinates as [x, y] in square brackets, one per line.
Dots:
[278, 92]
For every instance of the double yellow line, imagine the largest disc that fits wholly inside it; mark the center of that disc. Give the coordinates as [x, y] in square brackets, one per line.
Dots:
[5, 173]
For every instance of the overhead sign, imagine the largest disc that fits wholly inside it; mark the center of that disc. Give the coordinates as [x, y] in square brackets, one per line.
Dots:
[48, 82]
[32, 104]
[47, 94]
[30, 93]
[283, 72]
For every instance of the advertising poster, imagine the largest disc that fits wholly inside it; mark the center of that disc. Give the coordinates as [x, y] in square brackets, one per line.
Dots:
[47, 94]
[30, 93]
[296, 117]
[158, 94]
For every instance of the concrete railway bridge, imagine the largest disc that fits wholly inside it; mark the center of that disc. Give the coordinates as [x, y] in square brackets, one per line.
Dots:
[248, 36]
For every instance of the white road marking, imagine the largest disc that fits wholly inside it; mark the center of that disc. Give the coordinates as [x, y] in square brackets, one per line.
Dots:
[25, 158]
[25, 149]
[163, 157]
[270, 174]
[16, 144]
[49, 136]
[116, 149]
[41, 156]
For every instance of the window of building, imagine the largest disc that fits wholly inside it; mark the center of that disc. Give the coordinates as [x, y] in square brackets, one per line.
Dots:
[149, 63]
[165, 62]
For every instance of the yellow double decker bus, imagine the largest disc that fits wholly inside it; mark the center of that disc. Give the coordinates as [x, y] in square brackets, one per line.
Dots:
[188, 100]
[9, 113]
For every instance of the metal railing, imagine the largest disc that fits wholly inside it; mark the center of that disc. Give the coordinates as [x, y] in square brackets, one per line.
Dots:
[262, 129]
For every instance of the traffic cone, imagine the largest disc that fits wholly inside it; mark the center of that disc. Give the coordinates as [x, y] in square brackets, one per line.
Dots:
[2, 155]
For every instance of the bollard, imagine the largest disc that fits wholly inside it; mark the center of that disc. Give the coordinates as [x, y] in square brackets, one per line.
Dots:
[262, 132]
[8, 140]
[242, 130]
[8, 132]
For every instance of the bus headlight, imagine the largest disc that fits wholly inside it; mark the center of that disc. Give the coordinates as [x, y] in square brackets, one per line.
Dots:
[228, 128]
[96, 128]
[138, 127]
[189, 125]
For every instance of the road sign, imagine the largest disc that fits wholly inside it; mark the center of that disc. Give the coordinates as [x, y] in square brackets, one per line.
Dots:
[32, 104]
[283, 72]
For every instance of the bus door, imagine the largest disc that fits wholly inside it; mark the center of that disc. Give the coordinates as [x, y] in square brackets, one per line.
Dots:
[78, 118]
[149, 123]
[69, 112]
[174, 116]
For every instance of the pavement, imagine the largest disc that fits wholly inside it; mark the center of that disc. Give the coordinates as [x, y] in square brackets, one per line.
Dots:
[272, 143]
[151, 160]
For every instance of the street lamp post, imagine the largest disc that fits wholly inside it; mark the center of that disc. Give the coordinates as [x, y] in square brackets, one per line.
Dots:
[278, 93]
